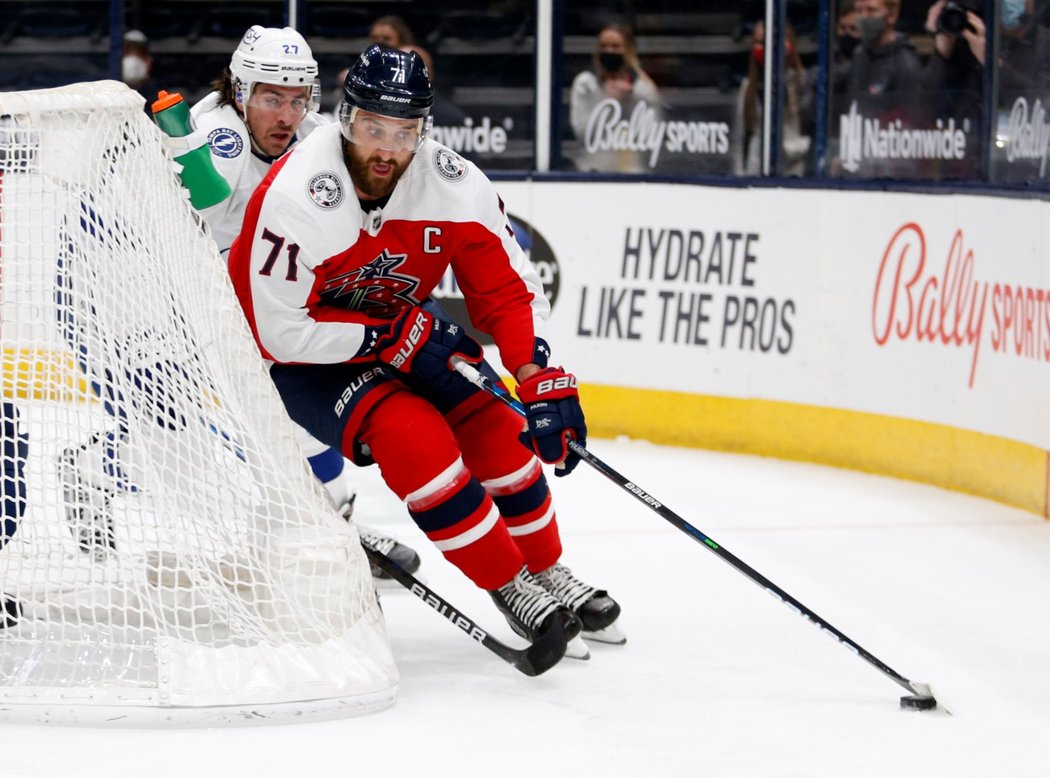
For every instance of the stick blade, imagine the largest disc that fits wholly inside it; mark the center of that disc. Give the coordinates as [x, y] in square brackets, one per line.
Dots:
[546, 651]
[922, 700]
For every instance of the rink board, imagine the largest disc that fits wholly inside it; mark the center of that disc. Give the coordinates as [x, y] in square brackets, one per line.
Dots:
[899, 333]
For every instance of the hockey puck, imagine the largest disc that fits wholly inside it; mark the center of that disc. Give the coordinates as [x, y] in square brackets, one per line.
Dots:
[918, 702]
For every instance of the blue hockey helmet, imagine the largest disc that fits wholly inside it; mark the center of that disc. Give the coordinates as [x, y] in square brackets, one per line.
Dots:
[388, 82]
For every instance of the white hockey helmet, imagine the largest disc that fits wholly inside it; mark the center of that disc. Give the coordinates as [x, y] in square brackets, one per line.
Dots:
[274, 55]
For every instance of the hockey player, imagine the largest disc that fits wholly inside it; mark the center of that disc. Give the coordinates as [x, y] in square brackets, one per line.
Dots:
[341, 245]
[264, 102]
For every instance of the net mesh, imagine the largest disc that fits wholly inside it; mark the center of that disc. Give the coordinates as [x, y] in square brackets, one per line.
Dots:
[164, 543]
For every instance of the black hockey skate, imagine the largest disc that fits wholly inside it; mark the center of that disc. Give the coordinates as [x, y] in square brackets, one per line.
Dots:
[87, 509]
[10, 611]
[531, 610]
[594, 608]
[403, 555]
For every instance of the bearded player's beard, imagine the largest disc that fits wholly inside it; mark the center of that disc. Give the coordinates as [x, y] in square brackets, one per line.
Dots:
[361, 173]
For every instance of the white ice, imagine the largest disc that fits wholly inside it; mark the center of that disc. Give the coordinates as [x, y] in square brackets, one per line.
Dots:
[717, 678]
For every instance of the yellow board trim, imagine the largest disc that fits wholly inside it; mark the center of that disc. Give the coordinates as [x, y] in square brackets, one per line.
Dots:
[1009, 472]
[51, 376]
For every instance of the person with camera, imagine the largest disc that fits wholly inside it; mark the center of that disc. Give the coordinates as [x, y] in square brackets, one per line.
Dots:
[957, 64]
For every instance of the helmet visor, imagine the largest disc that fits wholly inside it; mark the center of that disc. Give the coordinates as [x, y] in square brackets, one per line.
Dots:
[372, 131]
[271, 102]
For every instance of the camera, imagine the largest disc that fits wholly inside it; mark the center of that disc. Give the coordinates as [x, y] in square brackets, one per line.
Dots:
[953, 18]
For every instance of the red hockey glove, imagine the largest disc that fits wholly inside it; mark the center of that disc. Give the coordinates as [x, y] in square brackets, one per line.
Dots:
[420, 345]
[553, 414]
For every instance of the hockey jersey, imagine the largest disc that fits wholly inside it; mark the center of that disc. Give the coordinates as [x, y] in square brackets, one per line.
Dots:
[232, 156]
[315, 273]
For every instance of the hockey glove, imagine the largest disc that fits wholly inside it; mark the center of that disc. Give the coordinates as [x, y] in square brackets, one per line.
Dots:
[422, 346]
[553, 414]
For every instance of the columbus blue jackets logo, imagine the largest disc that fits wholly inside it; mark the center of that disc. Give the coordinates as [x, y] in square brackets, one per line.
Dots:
[375, 288]
[325, 190]
[450, 164]
[225, 143]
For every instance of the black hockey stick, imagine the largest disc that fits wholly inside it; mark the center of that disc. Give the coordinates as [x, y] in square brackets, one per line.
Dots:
[922, 697]
[537, 659]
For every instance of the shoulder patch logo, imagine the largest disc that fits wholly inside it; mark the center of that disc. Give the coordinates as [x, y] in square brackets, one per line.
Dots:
[450, 164]
[325, 191]
[225, 143]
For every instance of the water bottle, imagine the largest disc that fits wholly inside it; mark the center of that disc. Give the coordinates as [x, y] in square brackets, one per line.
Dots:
[198, 175]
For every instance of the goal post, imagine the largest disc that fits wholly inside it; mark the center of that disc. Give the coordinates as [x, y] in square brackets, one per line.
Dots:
[166, 555]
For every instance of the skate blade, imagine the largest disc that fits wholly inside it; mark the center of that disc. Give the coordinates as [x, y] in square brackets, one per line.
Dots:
[611, 634]
[577, 649]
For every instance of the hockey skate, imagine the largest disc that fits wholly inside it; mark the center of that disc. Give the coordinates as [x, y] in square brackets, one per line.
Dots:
[10, 611]
[405, 556]
[531, 610]
[594, 608]
[87, 508]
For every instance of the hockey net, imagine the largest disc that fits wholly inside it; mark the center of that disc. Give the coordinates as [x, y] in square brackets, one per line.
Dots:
[167, 555]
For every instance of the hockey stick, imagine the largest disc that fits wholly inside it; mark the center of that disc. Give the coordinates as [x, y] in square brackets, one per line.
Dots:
[537, 659]
[922, 697]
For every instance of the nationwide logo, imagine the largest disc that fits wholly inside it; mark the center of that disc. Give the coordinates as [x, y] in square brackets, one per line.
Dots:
[861, 138]
[1028, 134]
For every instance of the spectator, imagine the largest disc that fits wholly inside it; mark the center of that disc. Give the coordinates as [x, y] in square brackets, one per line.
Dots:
[747, 126]
[1024, 48]
[847, 36]
[957, 68]
[391, 31]
[885, 63]
[136, 65]
[617, 80]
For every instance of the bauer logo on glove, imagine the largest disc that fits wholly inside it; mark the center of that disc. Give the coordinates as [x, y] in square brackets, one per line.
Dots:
[554, 416]
[408, 345]
[422, 346]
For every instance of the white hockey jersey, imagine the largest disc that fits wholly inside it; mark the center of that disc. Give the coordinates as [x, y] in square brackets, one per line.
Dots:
[313, 271]
[232, 156]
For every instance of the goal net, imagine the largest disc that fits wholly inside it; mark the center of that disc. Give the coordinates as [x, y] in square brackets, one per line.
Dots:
[166, 554]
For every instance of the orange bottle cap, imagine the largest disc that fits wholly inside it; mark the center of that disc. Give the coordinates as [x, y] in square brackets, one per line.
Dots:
[165, 100]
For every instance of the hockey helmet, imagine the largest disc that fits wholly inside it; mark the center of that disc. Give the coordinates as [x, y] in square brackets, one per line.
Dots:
[273, 55]
[388, 82]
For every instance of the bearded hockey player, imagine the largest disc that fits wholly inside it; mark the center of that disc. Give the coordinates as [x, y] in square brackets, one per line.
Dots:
[341, 247]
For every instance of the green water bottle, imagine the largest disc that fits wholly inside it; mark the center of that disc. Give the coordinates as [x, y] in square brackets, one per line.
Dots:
[198, 175]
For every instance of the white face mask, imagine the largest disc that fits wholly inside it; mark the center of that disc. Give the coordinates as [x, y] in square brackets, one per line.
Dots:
[133, 70]
[1012, 11]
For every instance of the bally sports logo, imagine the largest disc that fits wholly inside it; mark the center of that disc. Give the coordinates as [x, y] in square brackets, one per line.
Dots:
[911, 303]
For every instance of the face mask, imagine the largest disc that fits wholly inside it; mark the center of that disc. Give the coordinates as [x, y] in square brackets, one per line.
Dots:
[847, 44]
[133, 69]
[610, 60]
[1012, 11]
[871, 29]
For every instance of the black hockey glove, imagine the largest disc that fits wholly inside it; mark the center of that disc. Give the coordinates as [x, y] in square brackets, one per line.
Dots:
[422, 346]
[553, 413]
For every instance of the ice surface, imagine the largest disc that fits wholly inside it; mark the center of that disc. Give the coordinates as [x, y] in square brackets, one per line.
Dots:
[717, 678]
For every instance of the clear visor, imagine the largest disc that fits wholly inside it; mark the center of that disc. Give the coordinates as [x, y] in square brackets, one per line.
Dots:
[297, 105]
[372, 131]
